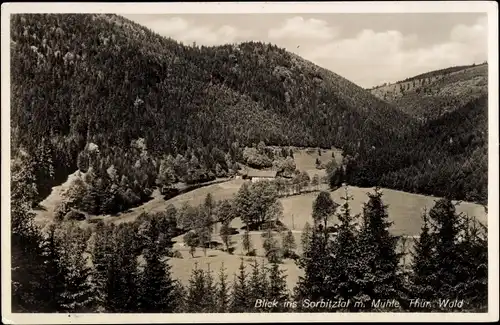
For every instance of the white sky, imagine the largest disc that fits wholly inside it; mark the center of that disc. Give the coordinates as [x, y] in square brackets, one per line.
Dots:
[366, 48]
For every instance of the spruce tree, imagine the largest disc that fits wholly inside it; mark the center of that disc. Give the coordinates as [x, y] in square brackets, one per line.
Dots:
[240, 301]
[305, 237]
[277, 289]
[54, 271]
[423, 264]
[378, 254]
[288, 244]
[344, 274]
[196, 290]
[257, 284]
[474, 265]
[446, 228]
[78, 294]
[156, 285]
[101, 252]
[246, 242]
[122, 272]
[315, 264]
[223, 297]
[210, 297]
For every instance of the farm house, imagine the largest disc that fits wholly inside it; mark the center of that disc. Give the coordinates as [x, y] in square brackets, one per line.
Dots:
[261, 175]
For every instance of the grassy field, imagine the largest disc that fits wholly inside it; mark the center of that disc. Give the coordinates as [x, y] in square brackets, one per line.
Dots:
[305, 159]
[404, 209]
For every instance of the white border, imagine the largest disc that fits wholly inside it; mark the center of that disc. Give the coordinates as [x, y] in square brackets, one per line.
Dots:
[489, 7]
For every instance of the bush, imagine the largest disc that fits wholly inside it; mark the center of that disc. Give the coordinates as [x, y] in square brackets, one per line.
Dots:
[253, 252]
[176, 254]
[75, 215]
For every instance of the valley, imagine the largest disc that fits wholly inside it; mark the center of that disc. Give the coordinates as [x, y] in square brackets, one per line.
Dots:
[138, 160]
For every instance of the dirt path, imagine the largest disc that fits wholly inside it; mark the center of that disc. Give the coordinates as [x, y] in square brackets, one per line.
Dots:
[45, 210]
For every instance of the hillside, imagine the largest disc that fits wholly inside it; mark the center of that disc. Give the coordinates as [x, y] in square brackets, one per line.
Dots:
[101, 91]
[447, 157]
[430, 95]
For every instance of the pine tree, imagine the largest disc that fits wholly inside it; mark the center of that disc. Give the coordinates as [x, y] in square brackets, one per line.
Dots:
[257, 284]
[271, 246]
[306, 236]
[277, 289]
[344, 274]
[378, 252]
[247, 243]
[196, 291]
[223, 297]
[314, 262]
[156, 285]
[446, 227]
[122, 272]
[288, 244]
[423, 268]
[240, 301]
[78, 294]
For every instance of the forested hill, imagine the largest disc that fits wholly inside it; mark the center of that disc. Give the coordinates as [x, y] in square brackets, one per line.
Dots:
[105, 79]
[447, 157]
[432, 94]
[145, 101]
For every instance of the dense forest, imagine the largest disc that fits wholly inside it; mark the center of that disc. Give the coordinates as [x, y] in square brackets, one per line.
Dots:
[75, 76]
[446, 157]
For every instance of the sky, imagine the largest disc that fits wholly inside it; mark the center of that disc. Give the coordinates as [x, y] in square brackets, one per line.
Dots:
[366, 48]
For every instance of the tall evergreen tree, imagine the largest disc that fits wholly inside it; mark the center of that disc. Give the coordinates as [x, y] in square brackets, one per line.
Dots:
[288, 244]
[156, 285]
[345, 272]
[314, 262]
[446, 228]
[305, 237]
[423, 264]
[378, 255]
[474, 265]
[54, 271]
[223, 297]
[257, 284]
[122, 272]
[196, 291]
[240, 301]
[101, 252]
[78, 295]
[277, 289]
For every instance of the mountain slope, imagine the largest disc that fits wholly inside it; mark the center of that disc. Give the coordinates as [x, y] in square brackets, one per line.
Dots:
[447, 156]
[430, 95]
[160, 112]
[84, 73]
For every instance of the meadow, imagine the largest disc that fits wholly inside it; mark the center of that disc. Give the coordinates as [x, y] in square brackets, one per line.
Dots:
[404, 209]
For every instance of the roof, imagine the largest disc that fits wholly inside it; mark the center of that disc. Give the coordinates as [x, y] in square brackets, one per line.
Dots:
[261, 173]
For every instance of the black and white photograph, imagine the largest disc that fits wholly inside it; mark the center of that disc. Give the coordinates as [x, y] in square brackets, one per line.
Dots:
[183, 162]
